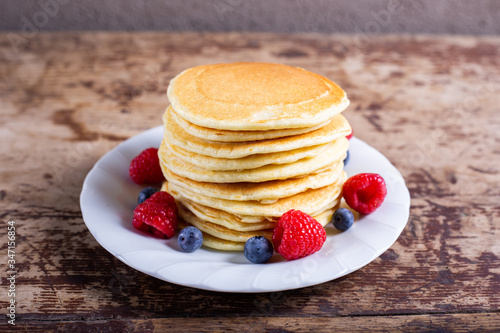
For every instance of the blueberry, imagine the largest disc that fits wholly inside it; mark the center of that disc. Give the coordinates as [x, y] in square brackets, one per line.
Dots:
[258, 249]
[146, 193]
[346, 159]
[190, 239]
[342, 219]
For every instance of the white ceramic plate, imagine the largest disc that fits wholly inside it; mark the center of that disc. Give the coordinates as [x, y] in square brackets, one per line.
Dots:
[109, 197]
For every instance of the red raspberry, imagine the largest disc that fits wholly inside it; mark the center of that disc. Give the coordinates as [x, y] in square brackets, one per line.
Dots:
[350, 135]
[297, 235]
[364, 192]
[163, 198]
[145, 167]
[157, 215]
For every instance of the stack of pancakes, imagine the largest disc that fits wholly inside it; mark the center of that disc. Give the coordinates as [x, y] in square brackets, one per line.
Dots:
[246, 142]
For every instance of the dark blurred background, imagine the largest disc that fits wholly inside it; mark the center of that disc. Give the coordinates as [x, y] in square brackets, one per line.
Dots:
[353, 16]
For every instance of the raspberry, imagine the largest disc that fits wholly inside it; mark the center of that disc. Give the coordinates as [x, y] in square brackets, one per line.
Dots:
[350, 135]
[364, 192]
[145, 167]
[163, 198]
[297, 235]
[157, 215]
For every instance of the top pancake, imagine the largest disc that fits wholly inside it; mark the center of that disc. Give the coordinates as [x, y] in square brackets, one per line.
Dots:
[254, 96]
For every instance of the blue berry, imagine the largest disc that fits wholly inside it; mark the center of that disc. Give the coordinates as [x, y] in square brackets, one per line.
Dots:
[190, 239]
[342, 219]
[346, 159]
[146, 193]
[258, 249]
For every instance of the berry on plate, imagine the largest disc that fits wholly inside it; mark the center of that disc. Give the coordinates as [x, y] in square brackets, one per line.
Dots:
[364, 192]
[146, 193]
[342, 219]
[346, 159]
[190, 239]
[298, 235]
[157, 215]
[145, 167]
[258, 249]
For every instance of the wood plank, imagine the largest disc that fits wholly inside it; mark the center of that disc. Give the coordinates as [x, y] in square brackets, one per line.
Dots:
[470, 322]
[430, 104]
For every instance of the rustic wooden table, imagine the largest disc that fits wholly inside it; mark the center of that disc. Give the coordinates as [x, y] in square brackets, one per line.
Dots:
[430, 104]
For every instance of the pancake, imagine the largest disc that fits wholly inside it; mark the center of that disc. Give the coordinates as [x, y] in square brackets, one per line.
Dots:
[266, 191]
[214, 242]
[225, 219]
[247, 162]
[254, 96]
[338, 127]
[246, 142]
[221, 238]
[334, 154]
[215, 212]
[310, 201]
[221, 231]
[211, 134]
[236, 222]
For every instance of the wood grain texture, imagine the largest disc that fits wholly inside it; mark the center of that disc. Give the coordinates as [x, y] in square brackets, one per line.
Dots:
[475, 322]
[430, 104]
